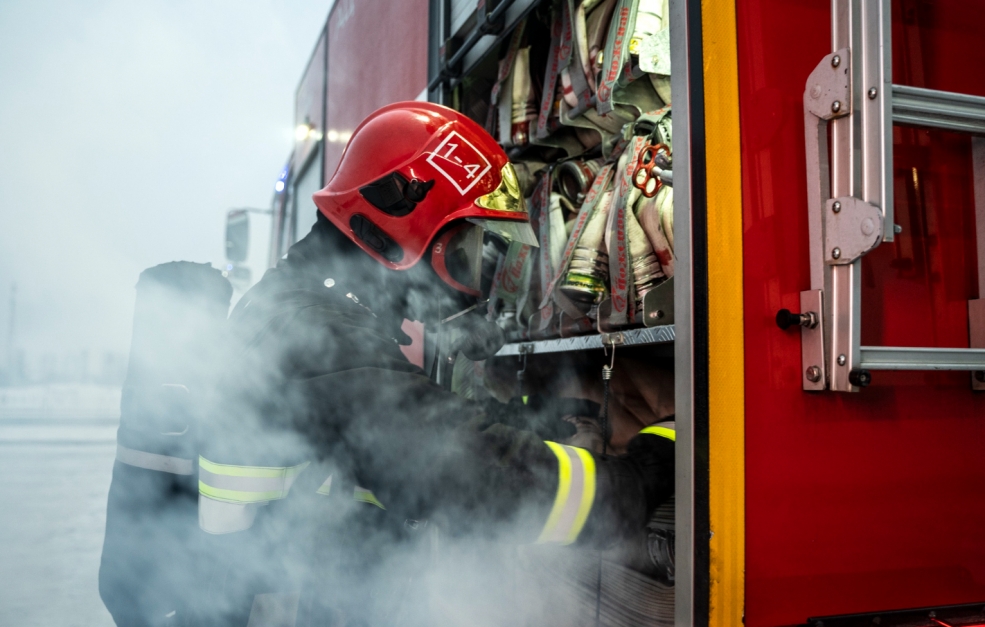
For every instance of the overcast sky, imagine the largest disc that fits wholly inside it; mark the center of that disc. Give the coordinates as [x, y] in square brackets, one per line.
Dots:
[126, 131]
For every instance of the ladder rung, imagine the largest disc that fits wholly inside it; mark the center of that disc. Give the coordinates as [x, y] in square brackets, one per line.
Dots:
[905, 358]
[938, 109]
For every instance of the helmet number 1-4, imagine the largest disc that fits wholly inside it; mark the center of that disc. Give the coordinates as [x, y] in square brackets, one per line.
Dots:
[459, 162]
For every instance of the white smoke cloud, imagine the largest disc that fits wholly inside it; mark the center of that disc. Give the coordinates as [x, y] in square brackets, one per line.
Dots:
[126, 131]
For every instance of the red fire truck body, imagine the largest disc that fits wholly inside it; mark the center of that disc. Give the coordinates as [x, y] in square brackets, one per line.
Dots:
[798, 498]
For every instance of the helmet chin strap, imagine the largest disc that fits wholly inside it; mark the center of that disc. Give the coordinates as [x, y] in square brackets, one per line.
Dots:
[461, 313]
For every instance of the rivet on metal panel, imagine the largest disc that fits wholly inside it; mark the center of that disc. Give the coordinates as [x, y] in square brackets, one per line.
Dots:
[836, 106]
[897, 229]
[836, 207]
[842, 359]
[836, 253]
[813, 374]
[612, 339]
[873, 92]
[835, 61]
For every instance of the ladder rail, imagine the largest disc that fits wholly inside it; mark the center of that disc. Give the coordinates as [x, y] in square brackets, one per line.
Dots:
[857, 193]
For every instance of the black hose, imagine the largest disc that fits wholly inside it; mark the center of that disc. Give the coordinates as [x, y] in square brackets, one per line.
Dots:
[604, 426]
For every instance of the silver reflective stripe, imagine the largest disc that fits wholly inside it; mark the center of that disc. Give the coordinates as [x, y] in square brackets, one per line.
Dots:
[153, 461]
[275, 609]
[219, 517]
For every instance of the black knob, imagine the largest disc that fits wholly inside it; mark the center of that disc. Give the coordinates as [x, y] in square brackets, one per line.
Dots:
[860, 378]
[785, 319]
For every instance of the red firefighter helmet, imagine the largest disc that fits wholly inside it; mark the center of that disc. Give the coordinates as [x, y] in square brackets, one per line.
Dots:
[410, 170]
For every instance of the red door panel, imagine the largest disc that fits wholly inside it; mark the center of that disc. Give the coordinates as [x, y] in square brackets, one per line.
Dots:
[874, 500]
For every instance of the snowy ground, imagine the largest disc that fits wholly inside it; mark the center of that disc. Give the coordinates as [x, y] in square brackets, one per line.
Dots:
[57, 445]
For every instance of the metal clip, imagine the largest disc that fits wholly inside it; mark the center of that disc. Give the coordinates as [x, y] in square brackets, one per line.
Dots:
[613, 339]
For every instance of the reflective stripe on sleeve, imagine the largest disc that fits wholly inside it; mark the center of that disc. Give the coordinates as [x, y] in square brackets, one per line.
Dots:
[360, 494]
[245, 484]
[664, 430]
[153, 461]
[575, 495]
[366, 496]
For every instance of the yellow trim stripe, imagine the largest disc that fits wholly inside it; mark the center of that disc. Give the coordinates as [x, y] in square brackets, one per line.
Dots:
[270, 483]
[726, 366]
[366, 496]
[564, 486]
[663, 432]
[575, 495]
[269, 472]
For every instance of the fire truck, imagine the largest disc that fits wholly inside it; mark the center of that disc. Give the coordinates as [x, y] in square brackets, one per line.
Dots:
[814, 314]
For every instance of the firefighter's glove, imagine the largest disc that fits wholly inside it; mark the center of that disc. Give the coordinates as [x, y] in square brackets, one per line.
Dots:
[653, 457]
[473, 336]
[630, 487]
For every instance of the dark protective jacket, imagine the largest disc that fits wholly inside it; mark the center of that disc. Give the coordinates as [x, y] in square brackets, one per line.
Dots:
[317, 392]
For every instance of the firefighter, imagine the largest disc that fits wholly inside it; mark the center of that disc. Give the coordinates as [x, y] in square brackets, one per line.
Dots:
[319, 403]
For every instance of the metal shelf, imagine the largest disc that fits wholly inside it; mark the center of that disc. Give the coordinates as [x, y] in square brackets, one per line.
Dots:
[631, 337]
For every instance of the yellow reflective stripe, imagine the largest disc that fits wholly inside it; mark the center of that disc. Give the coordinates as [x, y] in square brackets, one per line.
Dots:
[564, 486]
[575, 495]
[251, 471]
[366, 496]
[239, 496]
[358, 493]
[663, 432]
[587, 494]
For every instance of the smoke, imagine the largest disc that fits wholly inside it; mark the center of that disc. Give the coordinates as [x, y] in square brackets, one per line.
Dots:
[126, 132]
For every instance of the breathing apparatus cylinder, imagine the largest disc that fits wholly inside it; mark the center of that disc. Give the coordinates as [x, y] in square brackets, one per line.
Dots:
[152, 513]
